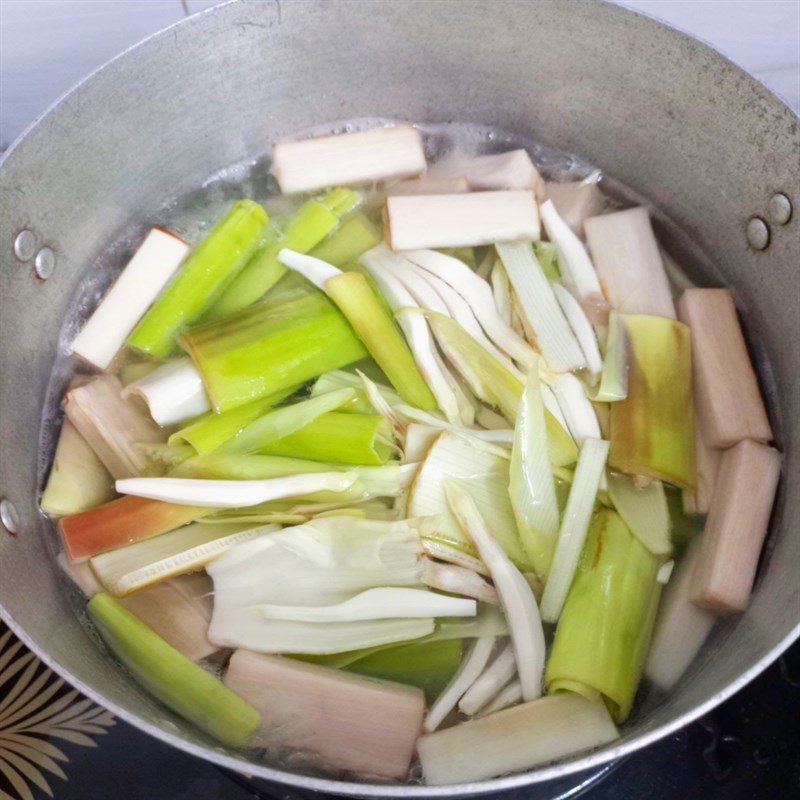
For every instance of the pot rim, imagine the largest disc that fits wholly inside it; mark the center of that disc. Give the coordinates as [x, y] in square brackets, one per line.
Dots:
[559, 770]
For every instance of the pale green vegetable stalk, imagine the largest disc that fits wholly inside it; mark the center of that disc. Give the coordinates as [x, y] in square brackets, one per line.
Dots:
[271, 346]
[614, 375]
[78, 480]
[354, 236]
[574, 526]
[211, 430]
[339, 379]
[274, 425]
[652, 429]
[209, 268]
[185, 549]
[645, 511]
[313, 221]
[248, 467]
[170, 677]
[494, 384]
[547, 257]
[339, 438]
[604, 630]
[531, 486]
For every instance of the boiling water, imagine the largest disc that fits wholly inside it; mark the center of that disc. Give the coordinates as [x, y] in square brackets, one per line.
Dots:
[191, 216]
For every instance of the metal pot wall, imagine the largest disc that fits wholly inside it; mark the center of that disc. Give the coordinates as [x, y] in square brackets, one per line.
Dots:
[692, 133]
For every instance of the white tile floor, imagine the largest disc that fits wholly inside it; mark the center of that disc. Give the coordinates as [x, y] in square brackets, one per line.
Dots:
[48, 45]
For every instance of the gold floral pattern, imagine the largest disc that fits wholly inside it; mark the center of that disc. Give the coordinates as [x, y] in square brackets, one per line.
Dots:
[37, 707]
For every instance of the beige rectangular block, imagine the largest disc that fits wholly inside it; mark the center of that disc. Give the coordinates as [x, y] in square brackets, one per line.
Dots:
[727, 396]
[698, 500]
[736, 527]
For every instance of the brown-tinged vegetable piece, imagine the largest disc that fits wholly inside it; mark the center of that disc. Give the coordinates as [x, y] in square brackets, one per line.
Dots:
[736, 527]
[576, 201]
[729, 403]
[698, 500]
[332, 719]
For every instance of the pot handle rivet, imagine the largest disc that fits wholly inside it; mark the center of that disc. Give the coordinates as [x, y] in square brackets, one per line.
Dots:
[25, 245]
[779, 209]
[9, 517]
[45, 263]
[757, 233]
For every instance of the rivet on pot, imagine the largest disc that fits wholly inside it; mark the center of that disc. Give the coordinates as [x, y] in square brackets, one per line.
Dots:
[757, 233]
[45, 263]
[25, 245]
[9, 517]
[779, 209]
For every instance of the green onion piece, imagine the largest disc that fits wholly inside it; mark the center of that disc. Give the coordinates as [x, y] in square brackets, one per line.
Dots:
[614, 376]
[547, 257]
[377, 330]
[645, 511]
[274, 425]
[531, 486]
[354, 236]
[652, 429]
[577, 515]
[271, 346]
[312, 222]
[209, 268]
[209, 431]
[338, 437]
[180, 684]
[603, 632]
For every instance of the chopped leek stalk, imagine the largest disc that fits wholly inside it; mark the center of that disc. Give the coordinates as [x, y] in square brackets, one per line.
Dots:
[78, 480]
[173, 393]
[211, 430]
[378, 603]
[625, 253]
[575, 265]
[461, 220]
[531, 486]
[481, 467]
[221, 466]
[328, 719]
[452, 553]
[426, 665]
[458, 580]
[604, 630]
[271, 346]
[644, 510]
[306, 229]
[233, 494]
[489, 682]
[614, 377]
[189, 548]
[377, 330]
[379, 404]
[135, 370]
[501, 291]
[574, 526]
[515, 739]
[554, 335]
[652, 429]
[146, 274]
[351, 158]
[339, 379]
[470, 669]
[180, 684]
[428, 184]
[547, 257]
[283, 421]
[582, 328]
[416, 332]
[581, 418]
[210, 267]
[516, 596]
[478, 295]
[111, 425]
[510, 695]
[121, 522]
[339, 438]
[498, 435]
[576, 201]
[511, 170]
[418, 441]
[354, 236]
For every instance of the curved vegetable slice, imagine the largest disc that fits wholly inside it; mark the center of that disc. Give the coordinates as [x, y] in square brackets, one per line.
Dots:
[489, 683]
[457, 580]
[531, 486]
[509, 695]
[614, 376]
[604, 630]
[173, 392]
[516, 595]
[471, 667]
[581, 417]
[645, 511]
[180, 684]
[582, 328]
[574, 526]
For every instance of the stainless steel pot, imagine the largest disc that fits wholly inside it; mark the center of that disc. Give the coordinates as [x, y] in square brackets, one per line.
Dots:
[662, 113]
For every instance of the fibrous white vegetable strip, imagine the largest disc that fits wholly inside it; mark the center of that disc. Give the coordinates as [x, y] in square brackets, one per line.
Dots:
[490, 681]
